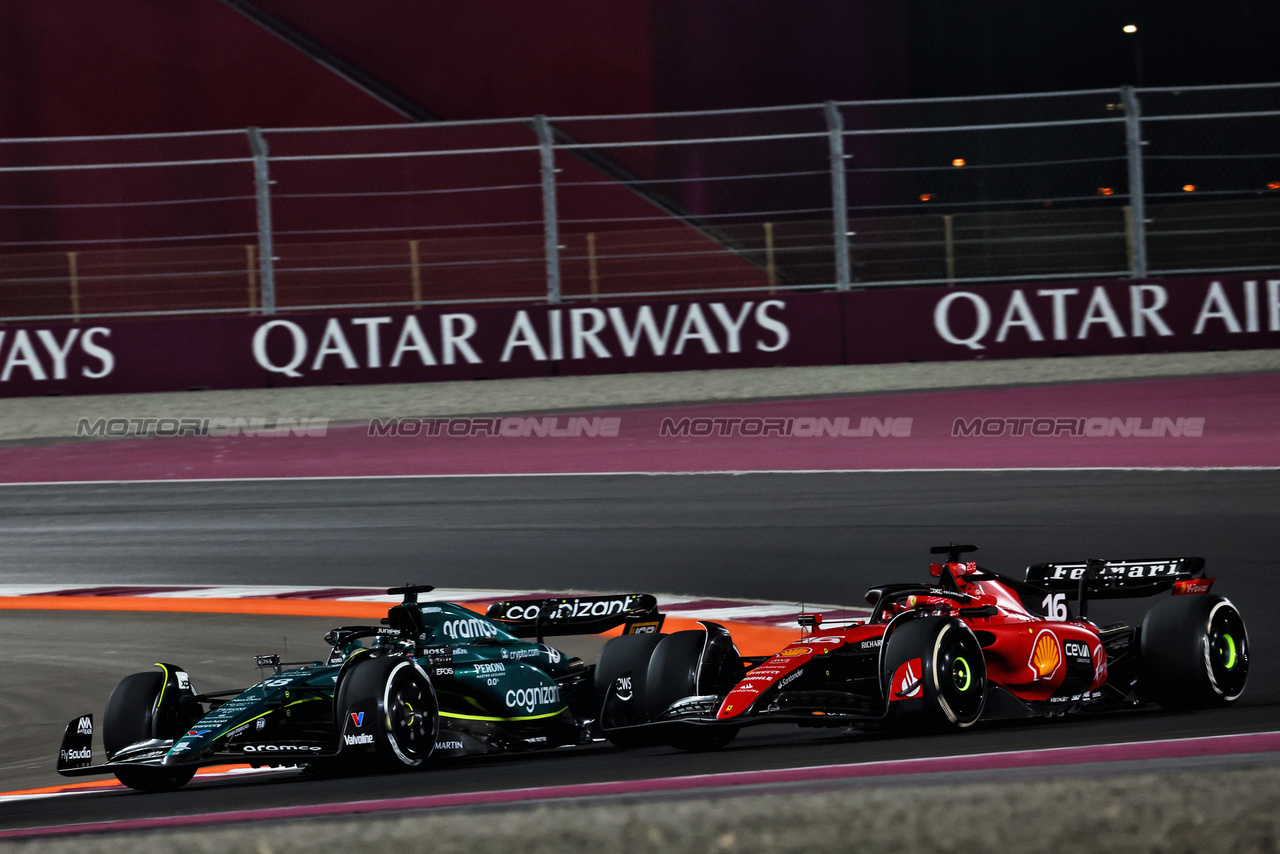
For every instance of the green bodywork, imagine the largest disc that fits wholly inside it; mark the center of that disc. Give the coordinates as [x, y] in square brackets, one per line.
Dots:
[497, 689]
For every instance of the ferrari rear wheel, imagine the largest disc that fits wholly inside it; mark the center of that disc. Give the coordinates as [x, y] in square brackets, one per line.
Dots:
[934, 674]
[128, 720]
[1195, 653]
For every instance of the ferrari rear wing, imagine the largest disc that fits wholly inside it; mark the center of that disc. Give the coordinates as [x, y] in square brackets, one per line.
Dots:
[577, 615]
[1114, 579]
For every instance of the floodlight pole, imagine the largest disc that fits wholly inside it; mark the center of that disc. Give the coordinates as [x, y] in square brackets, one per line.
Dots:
[1137, 191]
[266, 252]
[839, 194]
[550, 221]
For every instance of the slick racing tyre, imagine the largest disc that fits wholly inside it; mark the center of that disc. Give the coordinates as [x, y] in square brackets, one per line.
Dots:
[405, 713]
[673, 675]
[1195, 653]
[129, 719]
[934, 674]
[625, 658]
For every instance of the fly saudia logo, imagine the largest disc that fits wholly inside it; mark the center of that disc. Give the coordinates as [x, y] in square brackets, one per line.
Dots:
[77, 755]
[362, 738]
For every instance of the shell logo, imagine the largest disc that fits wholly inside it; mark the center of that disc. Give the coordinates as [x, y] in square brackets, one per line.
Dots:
[795, 650]
[1046, 656]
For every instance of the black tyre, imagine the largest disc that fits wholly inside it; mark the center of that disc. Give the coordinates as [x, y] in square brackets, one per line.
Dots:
[1195, 653]
[950, 689]
[620, 656]
[406, 716]
[673, 675]
[129, 719]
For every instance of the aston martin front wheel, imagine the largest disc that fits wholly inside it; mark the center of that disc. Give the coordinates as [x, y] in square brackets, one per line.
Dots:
[403, 718]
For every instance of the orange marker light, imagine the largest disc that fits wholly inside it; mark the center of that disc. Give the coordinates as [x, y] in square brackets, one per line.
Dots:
[1274, 185]
[1188, 188]
[959, 161]
[926, 197]
[1106, 191]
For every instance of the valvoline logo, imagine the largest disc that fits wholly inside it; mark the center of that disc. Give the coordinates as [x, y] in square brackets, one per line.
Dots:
[357, 718]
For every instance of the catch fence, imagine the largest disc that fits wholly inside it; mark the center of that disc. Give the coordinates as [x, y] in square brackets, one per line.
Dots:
[1088, 184]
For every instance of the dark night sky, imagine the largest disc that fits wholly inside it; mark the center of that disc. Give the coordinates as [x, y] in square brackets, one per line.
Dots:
[971, 47]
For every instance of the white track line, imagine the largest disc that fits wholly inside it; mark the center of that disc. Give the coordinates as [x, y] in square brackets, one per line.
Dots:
[733, 472]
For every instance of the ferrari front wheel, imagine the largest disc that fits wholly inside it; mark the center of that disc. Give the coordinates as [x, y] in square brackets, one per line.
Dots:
[934, 674]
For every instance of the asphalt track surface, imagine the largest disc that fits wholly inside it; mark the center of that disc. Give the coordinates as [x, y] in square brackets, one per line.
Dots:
[815, 537]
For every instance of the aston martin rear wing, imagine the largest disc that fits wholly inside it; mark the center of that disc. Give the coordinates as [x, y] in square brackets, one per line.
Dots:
[1115, 579]
[577, 615]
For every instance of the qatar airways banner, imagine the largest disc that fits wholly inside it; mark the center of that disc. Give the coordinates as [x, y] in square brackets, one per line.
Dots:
[1075, 318]
[462, 342]
[453, 343]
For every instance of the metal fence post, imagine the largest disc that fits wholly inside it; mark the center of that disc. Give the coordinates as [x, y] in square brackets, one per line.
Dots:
[1137, 192]
[266, 252]
[839, 194]
[550, 221]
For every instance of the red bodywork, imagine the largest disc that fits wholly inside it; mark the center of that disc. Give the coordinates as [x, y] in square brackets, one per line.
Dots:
[1036, 659]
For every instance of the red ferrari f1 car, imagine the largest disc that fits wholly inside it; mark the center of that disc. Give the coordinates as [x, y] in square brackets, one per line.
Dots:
[973, 645]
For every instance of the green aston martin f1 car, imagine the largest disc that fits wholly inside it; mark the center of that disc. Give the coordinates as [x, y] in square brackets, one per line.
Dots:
[436, 679]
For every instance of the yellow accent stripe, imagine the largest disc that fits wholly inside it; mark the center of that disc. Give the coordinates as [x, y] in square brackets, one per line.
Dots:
[163, 685]
[487, 718]
[229, 727]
